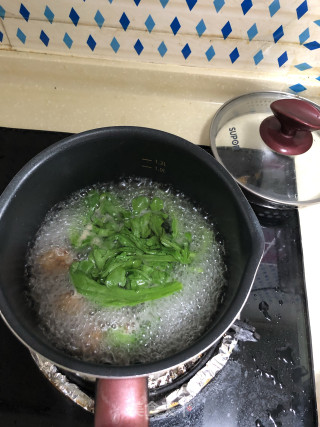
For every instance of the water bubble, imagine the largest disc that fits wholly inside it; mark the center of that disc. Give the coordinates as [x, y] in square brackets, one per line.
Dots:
[154, 321]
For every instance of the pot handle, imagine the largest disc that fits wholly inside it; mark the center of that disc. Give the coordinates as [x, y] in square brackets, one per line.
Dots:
[121, 402]
[288, 131]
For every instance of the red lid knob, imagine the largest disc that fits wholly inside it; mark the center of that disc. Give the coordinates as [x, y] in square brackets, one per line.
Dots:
[289, 130]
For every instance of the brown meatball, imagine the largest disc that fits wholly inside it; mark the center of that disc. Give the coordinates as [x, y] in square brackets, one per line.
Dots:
[70, 303]
[93, 339]
[56, 260]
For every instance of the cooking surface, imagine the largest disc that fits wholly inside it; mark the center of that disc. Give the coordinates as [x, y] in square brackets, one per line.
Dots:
[266, 383]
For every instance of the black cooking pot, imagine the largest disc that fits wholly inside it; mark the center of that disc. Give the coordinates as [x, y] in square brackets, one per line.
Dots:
[105, 155]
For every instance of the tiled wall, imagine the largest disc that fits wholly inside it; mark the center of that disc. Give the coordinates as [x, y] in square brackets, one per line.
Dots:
[276, 36]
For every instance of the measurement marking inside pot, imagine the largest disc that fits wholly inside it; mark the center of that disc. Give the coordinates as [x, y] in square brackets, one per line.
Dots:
[157, 165]
[148, 165]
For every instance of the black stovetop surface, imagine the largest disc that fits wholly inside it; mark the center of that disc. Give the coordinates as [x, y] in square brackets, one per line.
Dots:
[265, 383]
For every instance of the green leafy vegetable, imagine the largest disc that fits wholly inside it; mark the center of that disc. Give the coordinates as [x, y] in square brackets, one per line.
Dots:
[120, 338]
[156, 204]
[140, 203]
[130, 254]
[116, 296]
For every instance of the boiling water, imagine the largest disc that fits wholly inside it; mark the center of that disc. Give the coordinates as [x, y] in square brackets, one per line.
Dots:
[163, 326]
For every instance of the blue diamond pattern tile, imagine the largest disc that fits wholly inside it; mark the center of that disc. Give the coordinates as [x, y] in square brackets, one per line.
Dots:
[210, 53]
[258, 57]
[67, 40]
[24, 12]
[218, 4]
[44, 38]
[303, 66]
[74, 17]
[191, 3]
[162, 49]
[91, 43]
[226, 30]
[2, 12]
[124, 21]
[201, 28]
[99, 19]
[274, 7]
[164, 3]
[175, 25]
[234, 55]
[297, 88]
[246, 5]
[49, 14]
[304, 36]
[138, 47]
[283, 59]
[115, 45]
[312, 45]
[318, 78]
[302, 9]
[21, 36]
[186, 51]
[278, 34]
[149, 23]
[252, 32]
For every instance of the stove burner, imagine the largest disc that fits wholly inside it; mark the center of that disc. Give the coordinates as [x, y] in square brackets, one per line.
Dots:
[166, 389]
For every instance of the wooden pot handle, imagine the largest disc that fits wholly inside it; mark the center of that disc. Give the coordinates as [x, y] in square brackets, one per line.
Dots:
[121, 402]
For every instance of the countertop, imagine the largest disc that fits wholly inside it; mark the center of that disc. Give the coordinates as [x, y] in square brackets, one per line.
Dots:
[69, 94]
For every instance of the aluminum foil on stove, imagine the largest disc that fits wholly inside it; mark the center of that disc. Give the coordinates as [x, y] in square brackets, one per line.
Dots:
[62, 383]
[189, 390]
[181, 396]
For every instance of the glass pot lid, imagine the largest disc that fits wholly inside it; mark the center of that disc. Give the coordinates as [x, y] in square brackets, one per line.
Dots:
[270, 143]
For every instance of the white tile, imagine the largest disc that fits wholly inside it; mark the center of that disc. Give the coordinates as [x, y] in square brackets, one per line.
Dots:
[11, 8]
[4, 43]
[17, 26]
[198, 45]
[187, 34]
[163, 17]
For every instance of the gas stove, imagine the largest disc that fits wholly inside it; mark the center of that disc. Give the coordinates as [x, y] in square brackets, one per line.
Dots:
[266, 382]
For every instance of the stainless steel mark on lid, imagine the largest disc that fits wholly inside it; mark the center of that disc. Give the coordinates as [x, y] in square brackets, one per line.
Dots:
[270, 144]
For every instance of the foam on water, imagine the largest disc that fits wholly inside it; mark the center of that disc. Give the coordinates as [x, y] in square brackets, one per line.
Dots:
[161, 327]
